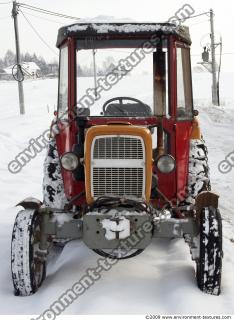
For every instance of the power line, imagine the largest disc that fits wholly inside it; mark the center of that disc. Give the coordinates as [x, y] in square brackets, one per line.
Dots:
[45, 19]
[39, 36]
[195, 16]
[61, 15]
[5, 2]
[48, 12]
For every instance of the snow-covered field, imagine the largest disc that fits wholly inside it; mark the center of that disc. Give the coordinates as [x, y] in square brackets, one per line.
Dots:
[161, 279]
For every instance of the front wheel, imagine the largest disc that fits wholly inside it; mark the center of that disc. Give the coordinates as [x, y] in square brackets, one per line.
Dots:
[27, 266]
[209, 265]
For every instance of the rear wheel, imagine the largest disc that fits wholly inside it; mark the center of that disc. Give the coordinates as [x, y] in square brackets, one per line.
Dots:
[28, 268]
[209, 265]
[199, 172]
[53, 188]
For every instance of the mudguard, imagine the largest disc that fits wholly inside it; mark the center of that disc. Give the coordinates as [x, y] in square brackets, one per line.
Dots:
[30, 203]
[206, 199]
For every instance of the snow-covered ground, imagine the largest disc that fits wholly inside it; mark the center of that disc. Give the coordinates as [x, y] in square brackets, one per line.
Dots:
[161, 279]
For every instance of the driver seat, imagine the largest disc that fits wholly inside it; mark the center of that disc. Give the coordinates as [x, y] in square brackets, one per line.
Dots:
[128, 109]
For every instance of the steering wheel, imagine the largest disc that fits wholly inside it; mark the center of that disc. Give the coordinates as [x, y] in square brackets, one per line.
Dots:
[120, 100]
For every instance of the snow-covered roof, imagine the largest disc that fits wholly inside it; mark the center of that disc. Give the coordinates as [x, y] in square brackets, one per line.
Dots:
[101, 28]
[30, 66]
[113, 30]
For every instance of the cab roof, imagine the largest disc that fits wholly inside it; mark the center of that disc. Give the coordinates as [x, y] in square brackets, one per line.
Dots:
[128, 30]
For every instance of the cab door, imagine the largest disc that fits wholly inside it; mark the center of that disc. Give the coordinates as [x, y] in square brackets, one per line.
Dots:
[184, 117]
[64, 138]
[164, 106]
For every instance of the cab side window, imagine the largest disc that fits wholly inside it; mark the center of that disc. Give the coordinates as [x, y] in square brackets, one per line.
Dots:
[63, 84]
[184, 85]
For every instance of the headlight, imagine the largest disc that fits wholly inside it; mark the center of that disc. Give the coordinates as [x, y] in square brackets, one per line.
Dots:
[69, 161]
[166, 164]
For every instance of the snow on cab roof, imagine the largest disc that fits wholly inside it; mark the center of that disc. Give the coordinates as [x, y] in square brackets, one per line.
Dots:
[84, 30]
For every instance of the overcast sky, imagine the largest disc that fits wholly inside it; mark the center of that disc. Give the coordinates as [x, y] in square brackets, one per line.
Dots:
[147, 10]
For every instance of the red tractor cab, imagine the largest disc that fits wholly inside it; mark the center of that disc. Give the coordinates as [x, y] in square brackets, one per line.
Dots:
[126, 161]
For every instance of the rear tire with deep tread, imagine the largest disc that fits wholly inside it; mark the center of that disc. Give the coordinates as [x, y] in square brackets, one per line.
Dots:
[199, 172]
[53, 188]
[209, 265]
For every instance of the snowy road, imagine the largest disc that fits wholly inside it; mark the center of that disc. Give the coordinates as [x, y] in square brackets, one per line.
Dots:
[161, 279]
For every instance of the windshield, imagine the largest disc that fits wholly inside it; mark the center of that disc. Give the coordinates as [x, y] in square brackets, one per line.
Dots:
[115, 82]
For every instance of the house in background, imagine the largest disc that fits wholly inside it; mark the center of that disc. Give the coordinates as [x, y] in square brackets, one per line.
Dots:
[30, 70]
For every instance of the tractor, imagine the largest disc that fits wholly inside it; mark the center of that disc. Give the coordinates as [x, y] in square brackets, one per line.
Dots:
[126, 161]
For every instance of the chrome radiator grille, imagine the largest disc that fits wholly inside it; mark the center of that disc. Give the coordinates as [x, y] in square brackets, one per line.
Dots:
[118, 166]
[118, 181]
[121, 147]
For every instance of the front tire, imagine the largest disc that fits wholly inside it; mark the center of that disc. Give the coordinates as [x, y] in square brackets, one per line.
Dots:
[28, 269]
[209, 265]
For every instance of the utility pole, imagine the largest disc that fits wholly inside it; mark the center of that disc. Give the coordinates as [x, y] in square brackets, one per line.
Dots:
[210, 65]
[18, 58]
[95, 72]
[213, 62]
